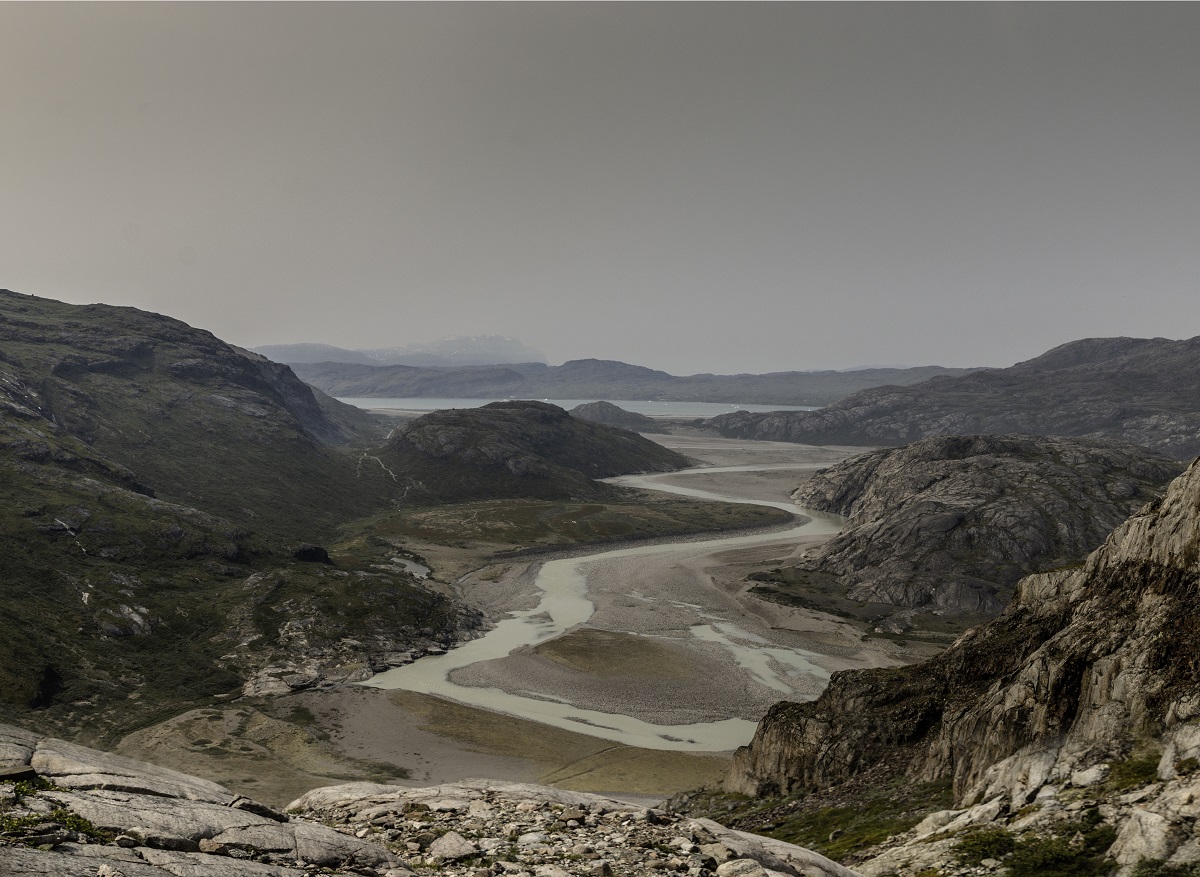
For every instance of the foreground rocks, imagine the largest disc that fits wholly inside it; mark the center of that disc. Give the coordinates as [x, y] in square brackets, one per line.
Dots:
[69, 811]
[482, 827]
[949, 524]
[1076, 822]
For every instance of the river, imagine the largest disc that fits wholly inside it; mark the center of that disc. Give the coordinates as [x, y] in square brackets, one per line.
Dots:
[568, 600]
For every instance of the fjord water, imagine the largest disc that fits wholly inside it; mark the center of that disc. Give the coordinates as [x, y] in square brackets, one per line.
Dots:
[564, 605]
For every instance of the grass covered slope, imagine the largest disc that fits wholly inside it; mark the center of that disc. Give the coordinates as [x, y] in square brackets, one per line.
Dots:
[515, 449]
[117, 608]
[153, 482]
[202, 423]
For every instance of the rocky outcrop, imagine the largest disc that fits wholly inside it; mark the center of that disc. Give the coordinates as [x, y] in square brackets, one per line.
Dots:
[613, 415]
[457, 828]
[1082, 666]
[1078, 824]
[515, 449]
[81, 811]
[72, 811]
[949, 524]
[1136, 390]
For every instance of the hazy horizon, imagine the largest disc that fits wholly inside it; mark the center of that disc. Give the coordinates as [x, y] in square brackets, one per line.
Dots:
[717, 187]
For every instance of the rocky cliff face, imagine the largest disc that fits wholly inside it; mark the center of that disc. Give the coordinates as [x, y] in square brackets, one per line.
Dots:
[951, 523]
[1142, 391]
[1083, 666]
[516, 449]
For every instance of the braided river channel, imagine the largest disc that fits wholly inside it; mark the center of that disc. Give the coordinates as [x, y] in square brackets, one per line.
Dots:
[664, 595]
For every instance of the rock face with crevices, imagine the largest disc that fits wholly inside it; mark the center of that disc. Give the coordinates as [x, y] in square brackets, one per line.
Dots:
[1083, 666]
[951, 523]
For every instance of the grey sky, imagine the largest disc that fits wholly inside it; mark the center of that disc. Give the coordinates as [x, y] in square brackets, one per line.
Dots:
[709, 187]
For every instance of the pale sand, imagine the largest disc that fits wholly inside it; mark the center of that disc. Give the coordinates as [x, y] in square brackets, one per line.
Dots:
[652, 605]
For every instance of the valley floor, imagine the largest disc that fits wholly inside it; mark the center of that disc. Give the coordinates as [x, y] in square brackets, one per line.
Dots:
[637, 655]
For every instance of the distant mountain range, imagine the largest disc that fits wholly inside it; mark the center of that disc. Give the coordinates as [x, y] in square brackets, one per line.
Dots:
[1140, 390]
[601, 379]
[472, 350]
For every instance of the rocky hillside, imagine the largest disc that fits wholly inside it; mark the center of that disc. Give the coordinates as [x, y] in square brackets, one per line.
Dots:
[1138, 390]
[602, 379]
[75, 812]
[949, 524]
[515, 449]
[613, 415]
[202, 423]
[116, 606]
[1086, 666]
[157, 487]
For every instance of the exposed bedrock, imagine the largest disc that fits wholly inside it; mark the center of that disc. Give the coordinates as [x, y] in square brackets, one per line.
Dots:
[1083, 665]
[951, 523]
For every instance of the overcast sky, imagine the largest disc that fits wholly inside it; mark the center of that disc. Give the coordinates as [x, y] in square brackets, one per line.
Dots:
[710, 187]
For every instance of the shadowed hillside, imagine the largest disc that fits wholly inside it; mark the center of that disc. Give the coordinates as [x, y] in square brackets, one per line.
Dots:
[516, 449]
[202, 423]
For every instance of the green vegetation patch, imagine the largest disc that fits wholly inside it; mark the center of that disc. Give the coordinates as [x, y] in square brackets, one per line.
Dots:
[525, 523]
[1160, 868]
[984, 843]
[838, 823]
[1075, 849]
[1137, 770]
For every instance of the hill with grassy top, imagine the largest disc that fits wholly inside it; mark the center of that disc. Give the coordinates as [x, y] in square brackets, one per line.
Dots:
[516, 449]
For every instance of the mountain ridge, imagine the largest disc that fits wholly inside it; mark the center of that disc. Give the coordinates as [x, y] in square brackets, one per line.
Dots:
[1142, 391]
[600, 379]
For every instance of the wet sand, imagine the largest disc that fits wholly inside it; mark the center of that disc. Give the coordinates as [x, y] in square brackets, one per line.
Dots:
[639, 654]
